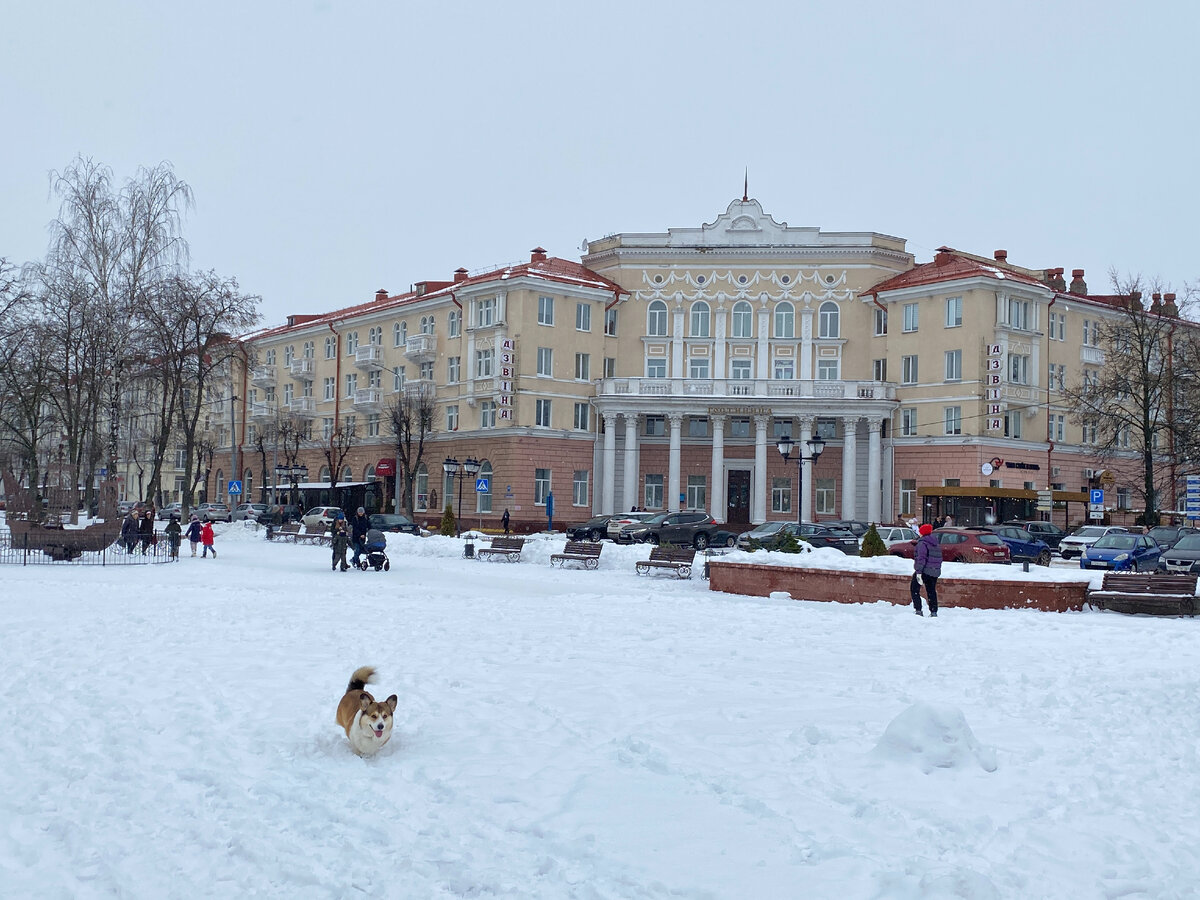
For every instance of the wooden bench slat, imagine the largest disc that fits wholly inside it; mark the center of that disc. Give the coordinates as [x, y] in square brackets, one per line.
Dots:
[585, 552]
[1148, 594]
[678, 558]
[508, 548]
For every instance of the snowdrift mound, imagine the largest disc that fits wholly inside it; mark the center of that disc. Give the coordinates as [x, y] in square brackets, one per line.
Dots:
[933, 738]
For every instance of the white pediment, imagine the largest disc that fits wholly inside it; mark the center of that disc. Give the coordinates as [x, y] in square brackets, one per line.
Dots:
[743, 224]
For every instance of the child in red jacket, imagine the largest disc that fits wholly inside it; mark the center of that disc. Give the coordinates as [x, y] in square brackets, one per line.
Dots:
[206, 538]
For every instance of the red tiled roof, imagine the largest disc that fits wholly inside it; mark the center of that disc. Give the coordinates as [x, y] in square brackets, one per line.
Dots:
[949, 266]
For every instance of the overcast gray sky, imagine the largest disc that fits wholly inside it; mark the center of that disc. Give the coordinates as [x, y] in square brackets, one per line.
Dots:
[339, 147]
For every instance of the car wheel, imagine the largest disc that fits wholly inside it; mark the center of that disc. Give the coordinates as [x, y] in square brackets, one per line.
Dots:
[1043, 558]
[594, 535]
[652, 539]
[701, 541]
[731, 541]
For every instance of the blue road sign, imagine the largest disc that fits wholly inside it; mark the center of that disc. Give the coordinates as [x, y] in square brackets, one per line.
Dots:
[481, 486]
[1097, 495]
[235, 487]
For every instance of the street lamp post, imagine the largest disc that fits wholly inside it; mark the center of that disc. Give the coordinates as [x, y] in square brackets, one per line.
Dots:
[785, 445]
[294, 474]
[469, 469]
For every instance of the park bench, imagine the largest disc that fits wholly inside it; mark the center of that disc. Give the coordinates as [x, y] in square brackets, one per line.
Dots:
[678, 559]
[313, 536]
[1153, 595]
[286, 532]
[506, 548]
[585, 552]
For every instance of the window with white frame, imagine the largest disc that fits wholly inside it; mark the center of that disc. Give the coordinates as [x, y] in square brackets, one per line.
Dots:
[542, 413]
[545, 362]
[1123, 437]
[785, 369]
[351, 342]
[452, 417]
[1021, 314]
[421, 488]
[350, 426]
[908, 422]
[397, 339]
[697, 492]
[427, 370]
[697, 427]
[308, 389]
[953, 365]
[1123, 498]
[698, 367]
[583, 317]
[270, 355]
[908, 369]
[329, 388]
[485, 312]
[610, 367]
[1012, 424]
[879, 369]
[373, 424]
[288, 352]
[583, 417]
[454, 323]
[453, 369]
[740, 370]
[1056, 328]
[579, 488]
[780, 428]
[541, 486]
[826, 496]
[309, 350]
[911, 317]
[739, 427]
[1018, 368]
[1091, 431]
[545, 310]
[785, 320]
[351, 384]
[327, 427]
[583, 366]
[374, 337]
[829, 319]
[1058, 374]
[881, 318]
[742, 320]
[700, 319]
[656, 426]
[908, 496]
[656, 319]
[610, 322]
[781, 495]
[826, 429]
[1058, 427]
[656, 367]
[828, 369]
[653, 494]
[952, 420]
[485, 363]
[487, 413]
[398, 378]
[953, 312]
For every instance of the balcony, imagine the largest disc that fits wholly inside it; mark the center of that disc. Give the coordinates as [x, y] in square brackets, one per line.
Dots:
[302, 368]
[421, 348]
[420, 388]
[263, 376]
[369, 356]
[302, 406]
[368, 399]
[749, 388]
[262, 412]
[1091, 356]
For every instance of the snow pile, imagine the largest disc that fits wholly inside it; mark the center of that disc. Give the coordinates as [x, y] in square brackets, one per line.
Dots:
[932, 738]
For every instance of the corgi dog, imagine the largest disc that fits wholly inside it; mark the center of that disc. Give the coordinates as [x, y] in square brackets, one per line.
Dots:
[368, 724]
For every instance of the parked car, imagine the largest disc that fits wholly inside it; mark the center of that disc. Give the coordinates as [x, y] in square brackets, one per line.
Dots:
[320, 517]
[752, 539]
[1022, 546]
[214, 512]
[621, 519]
[1167, 536]
[593, 529]
[1122, 552]
[280, 514]
[814, 534]
[394, 522]
[248, 511]
[966, 545]
[171, 509]
[723, 538]
[895, 534]
[1183, 558]
[1080, 539]
[1043, 531]
[683, 529]
[855, 527]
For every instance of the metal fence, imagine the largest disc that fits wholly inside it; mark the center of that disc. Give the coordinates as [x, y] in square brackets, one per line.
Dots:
[27, 550]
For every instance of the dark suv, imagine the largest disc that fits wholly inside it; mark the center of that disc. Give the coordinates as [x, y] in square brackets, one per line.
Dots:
[809, 532]
[1022, 546]
[694, 529]
[1043, 531]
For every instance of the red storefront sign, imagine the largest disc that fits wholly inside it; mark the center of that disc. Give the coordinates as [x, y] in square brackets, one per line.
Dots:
[385, 467]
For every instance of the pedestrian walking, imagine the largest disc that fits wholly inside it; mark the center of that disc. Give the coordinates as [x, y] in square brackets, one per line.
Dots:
[174, 536]
[504, 521]
[206, 538]
[359, 526]
[146, 529]
[193, 532]
[927, 566]
[129, 531]
[341, 543]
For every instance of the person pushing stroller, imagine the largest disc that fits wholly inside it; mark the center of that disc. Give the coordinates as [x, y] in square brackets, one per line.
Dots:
[375, 551]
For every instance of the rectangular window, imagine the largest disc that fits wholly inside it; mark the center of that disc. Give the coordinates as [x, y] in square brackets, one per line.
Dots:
[826, 429]
[329, 388]
[780, 427]
[1020, 314]
[696, 492]
[1018, 369]
[330, 347]
[698, 367]
[654, 492]
[908, 370]
[781, 495]
[610, 322]
[542, 413]
[880, 322]
[545, 362]
[398, 379]
[953, 420]
[452, 417]
[583, 366]
[739, 427]
[485, 363]
[545, 310]
[610, 367]
[739, 370]
[583, 417]
[454, 323]
[826, 496]
[453, 369]
[541, 486]
[327, 427]
[289, 391]
[953, 312]
[656, 368]
[1058, 425]
[785, 370]
[373, 423]
[908, 496]
[427, 371]
[579, 488]
[485, 312]
[908, 422]
[271, 356]
[879, 369]
[910, 317]
[487, 413]
[1059, 374]
[656, 426]
[953, 365]
[828, 369]
[697, 427]
[583, 317]
[1012, 424]
[351, 342]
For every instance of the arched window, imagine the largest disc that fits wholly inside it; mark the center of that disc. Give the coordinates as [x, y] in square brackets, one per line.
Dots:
[220, 495]
[421, 488]
[829, 320]
[324, 476]
[743, 320]
[397, 340]
[483, 502]
[700, 319]
[656, 319]
[248, 486]
[369, 473]
[785, 320]
[347, 475]
[403, 332]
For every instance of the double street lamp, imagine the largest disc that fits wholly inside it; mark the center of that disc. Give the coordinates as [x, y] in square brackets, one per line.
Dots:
[815, 446]
[469, 468]
[295, 474]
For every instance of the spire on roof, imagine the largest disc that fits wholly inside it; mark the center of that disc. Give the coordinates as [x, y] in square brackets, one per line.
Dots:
[746, 186]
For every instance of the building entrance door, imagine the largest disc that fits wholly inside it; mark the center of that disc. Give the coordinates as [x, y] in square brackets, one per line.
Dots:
[737, 492]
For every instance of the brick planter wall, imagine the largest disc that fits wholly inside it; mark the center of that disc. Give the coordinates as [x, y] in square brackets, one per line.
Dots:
[870, 587]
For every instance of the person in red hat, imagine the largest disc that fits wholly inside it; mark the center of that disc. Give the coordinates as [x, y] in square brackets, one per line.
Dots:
[927, 566]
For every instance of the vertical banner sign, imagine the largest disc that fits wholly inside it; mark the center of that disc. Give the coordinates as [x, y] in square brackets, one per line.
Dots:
[993, 379]
[504, 407]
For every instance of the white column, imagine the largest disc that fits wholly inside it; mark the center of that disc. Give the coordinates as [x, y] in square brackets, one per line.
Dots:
[763, 368]
[758, 494]
[610, 464]
[874, 460]
[805, 470]
[804, 367]
[716, 493]
[676, 422]
[849, 466]
[677, 368]
[718, 357]
[629, 498]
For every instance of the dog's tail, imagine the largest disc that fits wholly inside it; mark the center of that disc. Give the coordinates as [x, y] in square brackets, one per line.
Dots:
[361, 678]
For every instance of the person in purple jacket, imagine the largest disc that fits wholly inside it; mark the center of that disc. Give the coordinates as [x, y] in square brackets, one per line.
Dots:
[927, 566]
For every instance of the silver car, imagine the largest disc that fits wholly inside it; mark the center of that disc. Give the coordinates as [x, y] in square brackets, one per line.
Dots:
[249, 511]
[1073, 545]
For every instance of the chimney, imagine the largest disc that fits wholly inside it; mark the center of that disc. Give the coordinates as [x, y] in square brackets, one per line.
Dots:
[1156, 303]
[537, 255]
[1078, 285]
[1059, 283]
[944, 256]
[1169, 307]
[1001, 256]
[381, 295]
[460, 275]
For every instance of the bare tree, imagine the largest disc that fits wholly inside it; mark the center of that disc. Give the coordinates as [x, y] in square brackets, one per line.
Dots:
[410, 419]
[336, 448]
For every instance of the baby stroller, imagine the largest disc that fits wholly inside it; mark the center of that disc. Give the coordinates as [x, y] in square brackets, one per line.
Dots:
[375, 557]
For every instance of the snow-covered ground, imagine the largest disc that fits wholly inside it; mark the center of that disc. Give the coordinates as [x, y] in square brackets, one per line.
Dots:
[168, 732]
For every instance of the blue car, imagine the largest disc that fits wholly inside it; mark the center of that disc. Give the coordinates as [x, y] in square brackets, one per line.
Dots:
[1023, 546]
[1122, 552]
